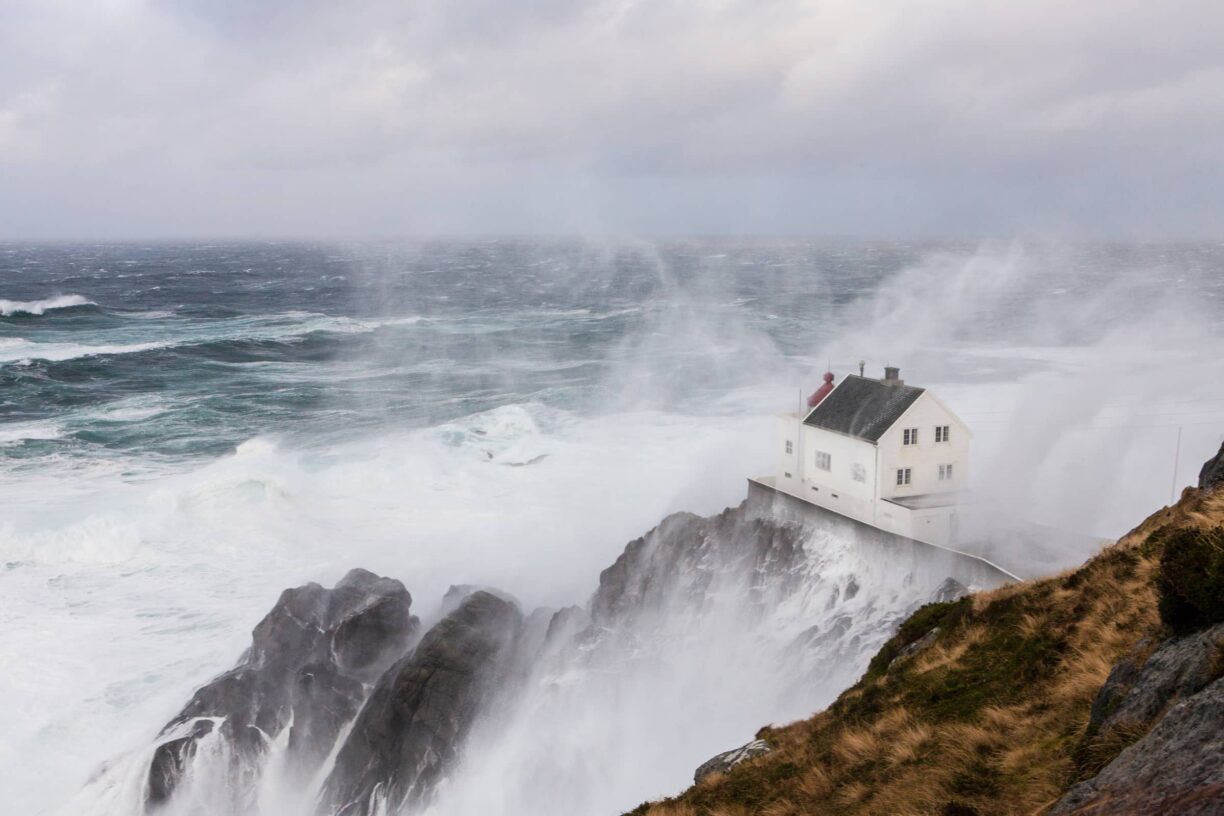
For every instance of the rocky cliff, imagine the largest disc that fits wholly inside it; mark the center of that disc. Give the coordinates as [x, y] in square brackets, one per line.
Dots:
[420, 711]
[1100, 691]
[342, 708]
[303, 677]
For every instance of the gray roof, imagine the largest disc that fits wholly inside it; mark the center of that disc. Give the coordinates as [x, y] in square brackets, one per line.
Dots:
[862, 407]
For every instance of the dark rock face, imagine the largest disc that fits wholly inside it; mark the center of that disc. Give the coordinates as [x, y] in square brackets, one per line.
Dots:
[694, 549]
[1135, 695]
[1178, 766]
[1176, 770]
[1212, 474]
[413, 726]
[307, 669]
[729, 759]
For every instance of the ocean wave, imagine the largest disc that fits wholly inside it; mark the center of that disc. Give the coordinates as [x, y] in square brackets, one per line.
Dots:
[9, 308]
[266, 329]
[17, 349]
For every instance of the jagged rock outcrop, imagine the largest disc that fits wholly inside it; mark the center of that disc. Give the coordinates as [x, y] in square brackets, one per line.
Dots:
[307, 670]
[729, 759]
[413, 726]
[1138, 691]
[1212, 474]
[645, 575]
[1162, 707]
[1177, 769]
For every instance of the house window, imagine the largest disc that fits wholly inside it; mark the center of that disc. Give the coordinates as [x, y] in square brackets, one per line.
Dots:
[941, 433]
[858, 472]
[790, 446]
[945, 473]
[903, 476]
[824, 461]
[909, 436]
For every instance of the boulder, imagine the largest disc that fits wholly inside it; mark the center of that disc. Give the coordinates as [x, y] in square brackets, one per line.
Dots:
[413, 727]
[307, 670]
[1177, 769]
[1138, 691]
[729, 759]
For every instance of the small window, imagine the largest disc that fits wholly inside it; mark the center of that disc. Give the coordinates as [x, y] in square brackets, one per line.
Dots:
[790, 446]
[909, 436]
[941, 433]
[858, 472]
[903, 476]
[945, 473]
[824, 461]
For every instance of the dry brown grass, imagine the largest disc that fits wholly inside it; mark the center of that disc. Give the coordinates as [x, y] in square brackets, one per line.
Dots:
[988, 717]
[855, 746]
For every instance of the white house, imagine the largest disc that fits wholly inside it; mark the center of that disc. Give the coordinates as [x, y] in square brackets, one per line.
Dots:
[881, 452]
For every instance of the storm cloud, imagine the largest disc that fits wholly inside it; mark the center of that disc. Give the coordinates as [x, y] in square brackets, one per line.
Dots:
[191, 118]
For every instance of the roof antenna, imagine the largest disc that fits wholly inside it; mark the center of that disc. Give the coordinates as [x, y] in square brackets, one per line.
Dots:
[862, 366]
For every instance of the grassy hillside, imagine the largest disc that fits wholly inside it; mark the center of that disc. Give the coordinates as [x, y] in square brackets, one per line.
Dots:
[988, 715]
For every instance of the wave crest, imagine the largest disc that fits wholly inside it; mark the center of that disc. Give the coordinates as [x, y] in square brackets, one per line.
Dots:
[9, 308]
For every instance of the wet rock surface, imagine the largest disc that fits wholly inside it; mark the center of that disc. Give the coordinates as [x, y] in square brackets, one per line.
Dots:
[306, 670]
[413, 726]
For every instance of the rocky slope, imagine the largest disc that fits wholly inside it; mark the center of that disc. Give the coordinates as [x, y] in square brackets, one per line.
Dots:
[1099, 691]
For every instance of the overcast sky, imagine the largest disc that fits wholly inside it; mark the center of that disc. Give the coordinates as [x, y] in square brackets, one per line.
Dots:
[215, 118]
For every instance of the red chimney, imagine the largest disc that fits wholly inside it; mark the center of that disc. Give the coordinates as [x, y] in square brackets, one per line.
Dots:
[821, 392]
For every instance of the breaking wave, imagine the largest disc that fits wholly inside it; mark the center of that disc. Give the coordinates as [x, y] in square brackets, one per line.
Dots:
[10, 308]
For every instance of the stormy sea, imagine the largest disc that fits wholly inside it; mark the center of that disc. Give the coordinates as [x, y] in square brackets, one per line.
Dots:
[186, 430]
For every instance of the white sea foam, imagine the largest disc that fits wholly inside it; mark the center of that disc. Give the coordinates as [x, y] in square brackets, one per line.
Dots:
[19, 432]
[14, 349]
[8, 308]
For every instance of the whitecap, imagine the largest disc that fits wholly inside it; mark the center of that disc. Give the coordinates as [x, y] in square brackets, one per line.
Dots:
[17, 349]
[8, 308]
[18, 433]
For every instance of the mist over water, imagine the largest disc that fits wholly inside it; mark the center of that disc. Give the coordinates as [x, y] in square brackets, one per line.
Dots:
[187, 430]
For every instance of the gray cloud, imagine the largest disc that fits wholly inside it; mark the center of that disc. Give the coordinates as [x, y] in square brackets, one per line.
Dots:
[384, 117]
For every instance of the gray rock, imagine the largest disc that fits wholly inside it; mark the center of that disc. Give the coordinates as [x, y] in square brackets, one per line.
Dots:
[414, 724]
[683, 556]
[456, 594]
[729, 759]
[1177, 769]
[306, 669]
[1135, 693]
[915, 647]
[1212, 474]
[950, 590]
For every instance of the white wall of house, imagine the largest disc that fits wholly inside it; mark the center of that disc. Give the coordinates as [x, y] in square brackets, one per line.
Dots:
[789, 451]
[800, 473]
[924, 458]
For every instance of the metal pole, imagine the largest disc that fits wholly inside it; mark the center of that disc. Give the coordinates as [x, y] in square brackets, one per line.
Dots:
[1176, 458]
